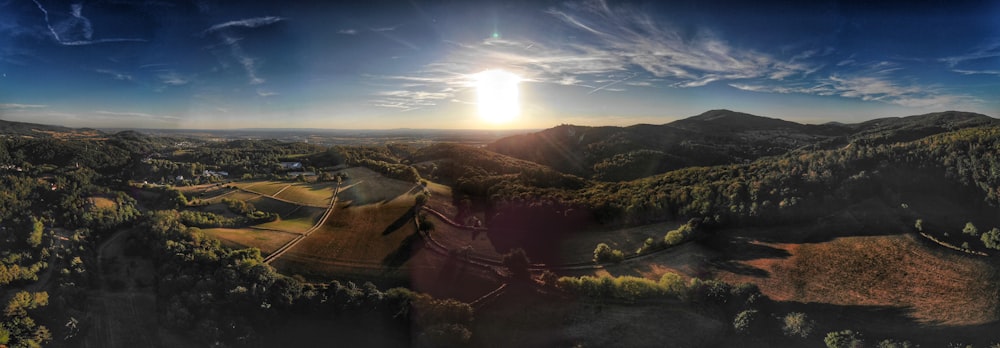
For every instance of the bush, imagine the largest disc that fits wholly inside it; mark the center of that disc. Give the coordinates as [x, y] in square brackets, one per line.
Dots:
[991, 239]
[604, 253]
[744, 321]
[797, 324]
[970, 229]
[844, 339]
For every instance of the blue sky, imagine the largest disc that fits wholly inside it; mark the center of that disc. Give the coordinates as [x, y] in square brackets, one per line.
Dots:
[393, 64]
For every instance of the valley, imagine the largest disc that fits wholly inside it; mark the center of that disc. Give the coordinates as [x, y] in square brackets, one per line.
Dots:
[886, 227]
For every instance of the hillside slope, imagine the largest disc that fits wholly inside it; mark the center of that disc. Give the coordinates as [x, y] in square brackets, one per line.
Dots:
[712, 138]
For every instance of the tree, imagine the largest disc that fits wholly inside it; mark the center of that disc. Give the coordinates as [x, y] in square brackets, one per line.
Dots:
[420, 200]
[517, 263]
[35, 237]
[745, 321]
[601, 252]
[844, 339]
[991, 238]
[604, 253]
[797, 324]
[919, 225]
[970, 229]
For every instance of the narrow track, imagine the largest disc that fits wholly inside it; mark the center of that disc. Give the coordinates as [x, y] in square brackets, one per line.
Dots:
[284, 248]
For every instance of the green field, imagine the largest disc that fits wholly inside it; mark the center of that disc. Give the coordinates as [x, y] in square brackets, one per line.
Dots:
[271, 205]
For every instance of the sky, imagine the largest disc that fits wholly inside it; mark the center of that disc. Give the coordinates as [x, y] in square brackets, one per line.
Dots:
[414, 64]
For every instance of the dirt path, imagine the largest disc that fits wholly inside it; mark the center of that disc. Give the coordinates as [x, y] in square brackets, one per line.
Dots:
[288, 246]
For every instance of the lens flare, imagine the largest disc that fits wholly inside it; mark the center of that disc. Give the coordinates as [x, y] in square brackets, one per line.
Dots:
[498, 100]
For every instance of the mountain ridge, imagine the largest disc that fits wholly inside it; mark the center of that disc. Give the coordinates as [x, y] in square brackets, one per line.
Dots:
[720, 136]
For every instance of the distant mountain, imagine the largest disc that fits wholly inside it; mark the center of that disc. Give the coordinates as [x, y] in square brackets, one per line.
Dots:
[711, 138]
[12, 128]
[897, 129]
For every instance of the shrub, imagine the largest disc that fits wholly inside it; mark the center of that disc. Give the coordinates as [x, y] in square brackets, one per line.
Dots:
[604, 253]
[844, 339]
[797, 324]
[970, 229]
[744, 321]
[991, 239]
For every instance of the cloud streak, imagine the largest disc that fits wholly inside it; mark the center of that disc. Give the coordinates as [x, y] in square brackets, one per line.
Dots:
[21, 106]
[611, 48]
[76, 31]
[244, 23]
[115, 74]
[250, 64]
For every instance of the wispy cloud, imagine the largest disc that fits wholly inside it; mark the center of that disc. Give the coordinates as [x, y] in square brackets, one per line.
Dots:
[21, 106]
[244, 23]
[250, 64]
[977, 72]
[987, 50]
[868, 85]
[115, 74]
[174, 79]
[607, 48]
[348, 31]
[265, 93]
[77, 30]
[622, 43]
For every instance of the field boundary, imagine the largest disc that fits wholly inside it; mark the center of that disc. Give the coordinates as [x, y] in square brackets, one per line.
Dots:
[284, 248]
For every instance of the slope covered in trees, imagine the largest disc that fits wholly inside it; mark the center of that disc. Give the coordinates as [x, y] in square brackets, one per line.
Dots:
[713, 138]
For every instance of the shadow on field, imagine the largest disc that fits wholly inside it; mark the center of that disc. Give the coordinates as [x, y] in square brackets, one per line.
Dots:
[404, 252]
[406, 218]
[739, 268]
[742, 248]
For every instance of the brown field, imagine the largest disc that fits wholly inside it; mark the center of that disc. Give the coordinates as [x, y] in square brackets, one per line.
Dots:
[934, 285]
[297, 221]
[314, 194]
[266, 240]
[366, 187]
[367, 233]
[265, 187]
[237, 195]
[101, 202]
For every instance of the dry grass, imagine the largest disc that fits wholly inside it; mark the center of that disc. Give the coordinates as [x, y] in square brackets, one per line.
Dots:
[264, 187]
[298, 221]
[935, 285]
[266, 241]
[367, 233]
[314, 194]
[101, 202]
[367, 187]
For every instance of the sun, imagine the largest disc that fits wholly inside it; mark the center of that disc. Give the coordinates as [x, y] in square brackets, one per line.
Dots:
[498, 100]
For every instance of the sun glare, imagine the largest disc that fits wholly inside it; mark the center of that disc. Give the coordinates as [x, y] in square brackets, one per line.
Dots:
[498, 100]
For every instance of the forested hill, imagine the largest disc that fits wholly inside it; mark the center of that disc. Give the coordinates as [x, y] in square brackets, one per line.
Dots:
[11, 128]
[712, 138]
